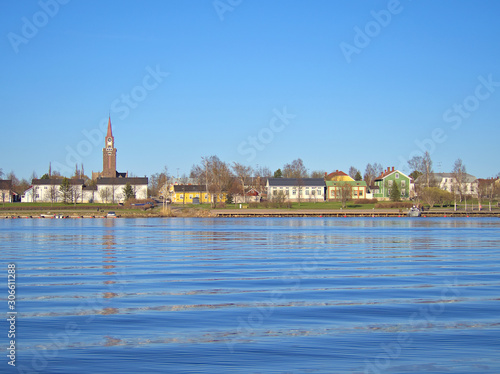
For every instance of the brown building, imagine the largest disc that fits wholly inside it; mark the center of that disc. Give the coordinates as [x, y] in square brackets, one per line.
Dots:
[109, 158]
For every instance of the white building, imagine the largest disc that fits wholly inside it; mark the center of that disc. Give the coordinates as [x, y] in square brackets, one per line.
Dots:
[295, 189]
[106, 190]
[5, 191]
[111, 190]
[48, 190]
[447, 182]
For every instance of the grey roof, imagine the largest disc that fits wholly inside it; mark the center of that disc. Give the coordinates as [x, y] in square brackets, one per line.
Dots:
[189, 188]
[5, 184]
[294, 182]
[55, 182]
[440, 176]
[122, 181]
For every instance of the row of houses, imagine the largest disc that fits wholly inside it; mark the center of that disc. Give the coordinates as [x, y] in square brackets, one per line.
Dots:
[333, 187]
[330, 188]
[103, 190]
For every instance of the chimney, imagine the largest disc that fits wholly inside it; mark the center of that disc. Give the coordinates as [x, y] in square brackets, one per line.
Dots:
[393, 168]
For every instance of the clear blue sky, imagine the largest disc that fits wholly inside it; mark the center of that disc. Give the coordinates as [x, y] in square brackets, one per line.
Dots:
[358, 82]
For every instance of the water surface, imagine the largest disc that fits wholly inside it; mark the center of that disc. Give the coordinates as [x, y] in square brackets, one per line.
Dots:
[256, 295]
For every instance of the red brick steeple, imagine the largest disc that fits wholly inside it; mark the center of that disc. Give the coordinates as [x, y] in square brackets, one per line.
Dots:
[109, 154]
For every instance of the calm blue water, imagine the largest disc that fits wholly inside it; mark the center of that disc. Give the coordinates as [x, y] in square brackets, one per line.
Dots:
[253, 295]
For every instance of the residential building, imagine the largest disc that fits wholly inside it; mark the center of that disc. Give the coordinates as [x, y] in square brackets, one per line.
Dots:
[337, 181]
[251, 196]
[111, 190]
[49, 190]
[447, 182]
[387, 179]
[334, 188]
[296, 189]
[6, 193]
[338, 176]
[194, 193]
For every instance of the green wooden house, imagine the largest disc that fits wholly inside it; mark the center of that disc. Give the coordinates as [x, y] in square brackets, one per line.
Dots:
[386, 180]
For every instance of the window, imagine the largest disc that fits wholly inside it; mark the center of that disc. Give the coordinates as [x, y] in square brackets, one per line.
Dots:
[45, 188]
[181, 196]
[403, 183]
[307, 192]
[275, 193]
[191, 196]
[397, 175]
[390, 183]
[294, 192]
[361, 193]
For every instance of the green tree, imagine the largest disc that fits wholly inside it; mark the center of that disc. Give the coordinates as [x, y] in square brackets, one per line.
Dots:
[278, 174]
[45, 176]
[65, 189]
[358, 176]
[128, 191]
[395, 192]
[229, 198]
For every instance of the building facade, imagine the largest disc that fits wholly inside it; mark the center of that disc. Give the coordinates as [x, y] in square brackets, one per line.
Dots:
[194, 193]
[49, 190]
[6, 192]
[296, 189]
[335, 189]
[448, 182]
[384, 183]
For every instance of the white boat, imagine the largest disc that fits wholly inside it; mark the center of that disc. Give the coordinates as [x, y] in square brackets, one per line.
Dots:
[414, 212]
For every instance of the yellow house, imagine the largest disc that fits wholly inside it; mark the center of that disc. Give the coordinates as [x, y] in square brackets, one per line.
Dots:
[189, 193]
[338, 176]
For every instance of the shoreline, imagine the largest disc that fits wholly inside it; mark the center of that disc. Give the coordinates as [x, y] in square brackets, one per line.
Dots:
[246, 213]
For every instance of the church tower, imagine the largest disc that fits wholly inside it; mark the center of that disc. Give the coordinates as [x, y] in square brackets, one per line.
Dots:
[109, 155]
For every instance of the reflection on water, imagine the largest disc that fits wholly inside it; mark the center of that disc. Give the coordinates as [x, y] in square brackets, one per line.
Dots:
[256, 295]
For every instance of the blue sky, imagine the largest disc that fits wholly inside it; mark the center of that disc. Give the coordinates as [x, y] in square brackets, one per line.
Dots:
[336, 83]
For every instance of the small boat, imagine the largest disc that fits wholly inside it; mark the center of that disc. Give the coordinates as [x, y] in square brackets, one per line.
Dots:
[414, 212]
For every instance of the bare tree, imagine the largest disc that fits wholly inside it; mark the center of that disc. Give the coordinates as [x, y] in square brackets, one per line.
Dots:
[423, 165]
[214, 174]
[104, 194]
[318, 174]
[299, 186]
[75, 194]
[430, 195]
[243, 173]
[372, 172]
[53, 194]
[296, 169]
[157, 182]
[353, 171]
[345, 193]
[459, 174]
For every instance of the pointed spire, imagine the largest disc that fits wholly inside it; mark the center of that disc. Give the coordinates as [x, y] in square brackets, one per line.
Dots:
[110, 133]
